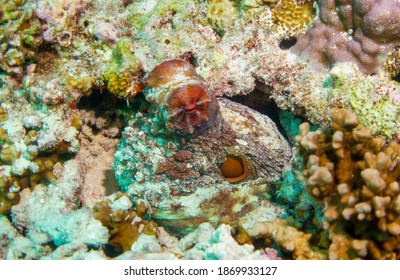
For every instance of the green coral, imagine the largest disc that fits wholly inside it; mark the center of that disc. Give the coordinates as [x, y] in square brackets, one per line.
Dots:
[222, 14]
[19, 35]
[367, 98]
[123, 74]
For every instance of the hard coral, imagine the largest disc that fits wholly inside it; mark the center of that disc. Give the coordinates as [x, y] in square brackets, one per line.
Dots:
[286, 237]
[221, 14]
[358, 31]
[20, 38]
[124, 223]
[374, 101]
[124, 73]
[290, 17]
[393, 64]
[357, 176]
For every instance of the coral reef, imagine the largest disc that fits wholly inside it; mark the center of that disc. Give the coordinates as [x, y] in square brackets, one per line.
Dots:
[20, 36]
[123, 74]
[204, 243]
[352, 31]
[284, 236]
[99, 136]
[177, 104]
[357, 176]
[124, 224]
[290, 17]
[393, 64]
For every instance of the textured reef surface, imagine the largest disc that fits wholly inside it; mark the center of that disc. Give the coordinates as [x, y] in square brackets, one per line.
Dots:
[199, 129]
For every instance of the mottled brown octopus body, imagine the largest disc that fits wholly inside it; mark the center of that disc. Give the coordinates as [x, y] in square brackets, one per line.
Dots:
[213, 165]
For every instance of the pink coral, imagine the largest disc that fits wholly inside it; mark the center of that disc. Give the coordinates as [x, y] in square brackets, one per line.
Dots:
[356, 31]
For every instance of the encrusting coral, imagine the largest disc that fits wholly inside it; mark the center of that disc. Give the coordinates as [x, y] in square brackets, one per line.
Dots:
[282, 234]
[357, 176]
[353, 31]
[123, 74]
[290, 17]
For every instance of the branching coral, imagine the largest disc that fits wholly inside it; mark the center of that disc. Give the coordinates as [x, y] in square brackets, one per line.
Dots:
[124, 223]
[357, 176]
[353, 31]
[286, 237]
[20, 38]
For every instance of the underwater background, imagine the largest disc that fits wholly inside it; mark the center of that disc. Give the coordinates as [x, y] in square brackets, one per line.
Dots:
[199, 129]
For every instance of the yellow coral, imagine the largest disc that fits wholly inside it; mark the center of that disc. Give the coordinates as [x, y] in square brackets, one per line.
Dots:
[292, 17]
[124, 73]
[83, 84]
[393, 63]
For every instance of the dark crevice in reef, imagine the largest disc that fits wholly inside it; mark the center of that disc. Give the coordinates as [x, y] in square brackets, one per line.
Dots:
[100, 133]
[263, 104]
[396, 78]
[104, 105]
[93, 100]
[286, 44]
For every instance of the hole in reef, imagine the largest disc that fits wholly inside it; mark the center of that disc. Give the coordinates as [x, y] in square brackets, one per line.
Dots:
[101, 111]
[286, 44]
[396, 78]
[189, 57]
[263, 104]
[92, 100]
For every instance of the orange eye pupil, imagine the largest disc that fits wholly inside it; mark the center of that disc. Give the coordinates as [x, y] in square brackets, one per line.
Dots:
[190, 107]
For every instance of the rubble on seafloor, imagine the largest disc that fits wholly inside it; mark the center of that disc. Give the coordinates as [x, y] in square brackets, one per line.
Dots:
[166, 129]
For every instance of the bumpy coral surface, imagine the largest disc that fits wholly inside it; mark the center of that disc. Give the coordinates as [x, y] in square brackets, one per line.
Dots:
[353, 31]
[357, 176]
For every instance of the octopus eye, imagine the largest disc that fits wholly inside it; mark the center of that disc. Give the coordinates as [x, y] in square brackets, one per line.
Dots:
[192, 108]
[234, 169]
